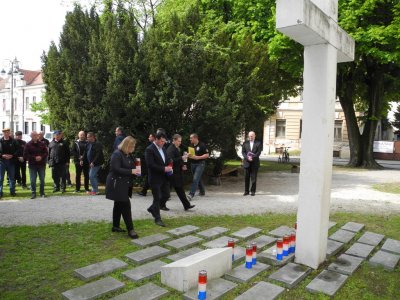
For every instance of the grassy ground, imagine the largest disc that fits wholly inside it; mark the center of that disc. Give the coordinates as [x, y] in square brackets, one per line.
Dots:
[38, 262]
[392, 187]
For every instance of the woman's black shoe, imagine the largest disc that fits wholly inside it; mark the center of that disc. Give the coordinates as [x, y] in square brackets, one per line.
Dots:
[132, 233]
[118, 229]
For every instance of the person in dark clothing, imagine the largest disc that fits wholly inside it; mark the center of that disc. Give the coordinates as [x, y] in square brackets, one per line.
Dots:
[146, 185]
[251, 151]
[35, 153]
[43, 140]
[198, 164]
[81, 165]
[119, 136]
[20, 163]
[176, 179]
[8, 155]
[59, 161]
[119, 179]
[95, 158]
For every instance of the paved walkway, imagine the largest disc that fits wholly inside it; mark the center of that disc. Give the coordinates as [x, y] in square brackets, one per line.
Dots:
[277, 193]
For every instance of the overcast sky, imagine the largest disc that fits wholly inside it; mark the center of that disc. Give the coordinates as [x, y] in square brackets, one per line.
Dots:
[28, 27]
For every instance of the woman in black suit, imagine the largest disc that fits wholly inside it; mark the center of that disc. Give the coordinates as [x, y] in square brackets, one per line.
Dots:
[122, 167]
[173, 152]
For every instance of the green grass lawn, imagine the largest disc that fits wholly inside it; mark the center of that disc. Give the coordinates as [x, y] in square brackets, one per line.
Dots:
[393, 187]
[38, 262]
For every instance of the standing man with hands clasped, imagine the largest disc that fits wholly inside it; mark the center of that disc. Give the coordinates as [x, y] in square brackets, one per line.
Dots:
[251, 151]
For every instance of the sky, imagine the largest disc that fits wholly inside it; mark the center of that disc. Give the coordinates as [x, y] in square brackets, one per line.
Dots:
[28, 27]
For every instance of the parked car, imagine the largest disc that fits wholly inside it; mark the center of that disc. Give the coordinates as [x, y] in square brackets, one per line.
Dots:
[49, 135]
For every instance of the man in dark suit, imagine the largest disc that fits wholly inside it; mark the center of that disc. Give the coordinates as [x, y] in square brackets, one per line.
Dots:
[251, 151]
[157, 169]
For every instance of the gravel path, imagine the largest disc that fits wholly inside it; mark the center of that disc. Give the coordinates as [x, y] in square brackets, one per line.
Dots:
[277, 193]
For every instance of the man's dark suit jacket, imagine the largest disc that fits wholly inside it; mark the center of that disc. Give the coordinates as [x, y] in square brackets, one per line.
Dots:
[257, 148]
[155, 165]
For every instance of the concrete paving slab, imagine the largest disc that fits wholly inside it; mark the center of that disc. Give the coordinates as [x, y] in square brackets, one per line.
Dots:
[343, 236]
[242, 274]
[353, 227]
[262, 291]
[180, 231]
[385, 259]
[145, 271]
[150, 240]
[291, 274]
[346, 264]
[94, 289]
[216, 289]
[147, 254]
[99, 269]
[263, 240]
[246, 232]
[392, 246]
[269, 256]
[360, 250]
[184, 253]
[184, 242]
[212, 232]
[333, 247]
[281, 231]
[219, 242]
[327, 282]
[331, 224]
[370, 238]
[149, 291]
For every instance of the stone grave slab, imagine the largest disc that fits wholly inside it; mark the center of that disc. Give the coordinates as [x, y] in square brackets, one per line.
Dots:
[99, 269]
[216, 289]
[269, 256]
[353, 227]
[212, 232]
[331, 224]
[183, 230]
[185, 253]
[392, 246]
[360, 250]
[333, 247]
[150, 240]
[346, 264]
[262, 291]
[94, 289]
[370, 238]
[246, 232]
[291, 274]
[239, 253]
[149, 291]
[327, 282]
[184, 242]
[342, 236]
[385, 259]
[183, 274]
[263, 240]
[219, 242]
[147, 254]
[281, 231]
[242, 274]
[145, 271]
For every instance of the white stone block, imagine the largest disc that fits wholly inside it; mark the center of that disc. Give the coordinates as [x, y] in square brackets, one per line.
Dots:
[183, 274]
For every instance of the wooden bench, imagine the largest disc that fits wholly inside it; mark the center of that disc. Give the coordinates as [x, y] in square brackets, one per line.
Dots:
[232, 171]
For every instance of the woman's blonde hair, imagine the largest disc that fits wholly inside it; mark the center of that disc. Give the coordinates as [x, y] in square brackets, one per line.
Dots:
[126, 144]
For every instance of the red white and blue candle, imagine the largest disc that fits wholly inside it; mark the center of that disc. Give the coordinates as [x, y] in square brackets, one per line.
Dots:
[249, 256]
[293, 242]
[279, 249]
[231, 243]
[286, 245]
[202, 294]
[254, 245]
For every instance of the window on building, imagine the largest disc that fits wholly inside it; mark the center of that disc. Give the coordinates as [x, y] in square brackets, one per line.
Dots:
[280, 128]
[26, 127]
[33, 126]
[16, 126]
[4, 125]
[42, 128]
[301, 128]
[34, 99]
[338, 130]
[4, 104]
[27, 103]
[15, 104]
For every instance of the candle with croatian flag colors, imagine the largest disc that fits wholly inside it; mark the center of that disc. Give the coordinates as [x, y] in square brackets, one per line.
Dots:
[202, 295]
[170, 164]
[279, 249]
[286, 245]
[295, 226]
[231, 243]
[138, 166]
[249, 256]
[293, 242]
[254, 245]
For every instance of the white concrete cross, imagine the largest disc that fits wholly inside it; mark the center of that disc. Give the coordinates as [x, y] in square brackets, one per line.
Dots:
[314, 25]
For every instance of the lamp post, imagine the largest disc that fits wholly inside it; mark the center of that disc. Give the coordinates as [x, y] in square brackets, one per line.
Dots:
[14, 68]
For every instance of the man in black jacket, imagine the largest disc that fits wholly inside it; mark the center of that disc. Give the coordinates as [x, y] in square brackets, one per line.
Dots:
[20, 163]
[251, 151]
[95, 158]
[81, 165]
[59, 161]
[8, 154]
